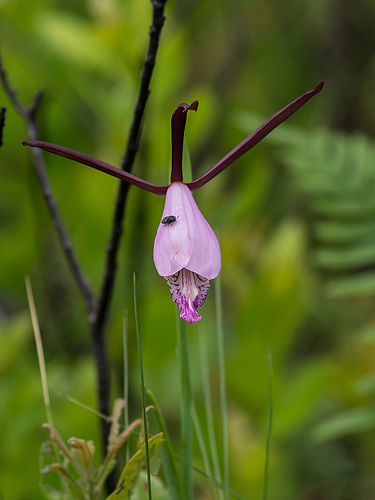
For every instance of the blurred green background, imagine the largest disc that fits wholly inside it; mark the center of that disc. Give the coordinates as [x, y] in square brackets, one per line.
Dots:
[295, 219]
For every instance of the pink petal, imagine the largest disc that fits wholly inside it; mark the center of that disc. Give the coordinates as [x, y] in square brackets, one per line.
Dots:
[189, 291]
[189, 242]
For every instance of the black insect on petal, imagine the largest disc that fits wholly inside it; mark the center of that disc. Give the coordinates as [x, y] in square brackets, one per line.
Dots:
[168, 220]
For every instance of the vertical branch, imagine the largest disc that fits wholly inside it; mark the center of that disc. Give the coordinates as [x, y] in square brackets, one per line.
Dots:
[29, 116]
[127, 164]
[2, 124]
[98, 322]
[97, 312]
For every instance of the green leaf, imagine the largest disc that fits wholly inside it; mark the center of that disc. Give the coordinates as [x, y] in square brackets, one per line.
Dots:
[166, 452]
[305, 391]
[159, 491]
[355, 286]
[349, 208]
[344, 232]
[110, 459]
[348, 422]
[344, 258]
[74, 39]
[365, 385]
[132, 469]
[118, 407]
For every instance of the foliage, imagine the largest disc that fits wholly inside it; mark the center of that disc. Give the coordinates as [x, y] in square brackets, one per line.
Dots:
[75, 464]
[294, 219]
[333, 173]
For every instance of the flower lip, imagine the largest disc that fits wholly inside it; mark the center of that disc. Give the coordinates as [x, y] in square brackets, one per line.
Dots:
[189, 291]
[189, 242]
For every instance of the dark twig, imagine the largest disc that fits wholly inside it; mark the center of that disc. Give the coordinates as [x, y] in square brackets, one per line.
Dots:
[2, 124]
[97, 315]
[116, 232]
[29, 115]
[127, 164]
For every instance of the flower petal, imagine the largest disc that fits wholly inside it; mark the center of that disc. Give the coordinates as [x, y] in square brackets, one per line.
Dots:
[189, 291]
[255, 137]
[188, 242]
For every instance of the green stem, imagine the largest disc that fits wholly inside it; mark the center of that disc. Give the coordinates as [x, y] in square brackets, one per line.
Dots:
[209, 409]
[270, 419]
[200, 438]
[223, 392]
[166, 453]
[126, 385]
[142, 387]
[186, 409]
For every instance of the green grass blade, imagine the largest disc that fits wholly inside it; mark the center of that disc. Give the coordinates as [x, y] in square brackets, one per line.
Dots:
[88, 408]
[126, 378]
[204, 453]
[142, 387]
[223, 392]
[220, 485]
[167, 456]
[39, 348]
[66, 487]
[269, 427]
[208, 407]
[126, 384]
[186, 408]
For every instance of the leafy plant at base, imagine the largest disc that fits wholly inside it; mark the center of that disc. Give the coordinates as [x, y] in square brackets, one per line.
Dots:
[133, 468]
[75, 462]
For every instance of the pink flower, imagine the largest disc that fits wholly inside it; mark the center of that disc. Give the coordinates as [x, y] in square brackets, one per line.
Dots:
[186, 250]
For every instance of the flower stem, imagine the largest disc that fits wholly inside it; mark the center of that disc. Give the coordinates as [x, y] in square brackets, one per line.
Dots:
[207, 396]
[126, 381]
[223, 394]
[269, 427]
[186, 412]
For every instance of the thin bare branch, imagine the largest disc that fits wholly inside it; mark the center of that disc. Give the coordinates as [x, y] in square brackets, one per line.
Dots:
[2, 124]
[97, 315]
[11, 93]
[127, 164]
[29, 115]
[99, 321]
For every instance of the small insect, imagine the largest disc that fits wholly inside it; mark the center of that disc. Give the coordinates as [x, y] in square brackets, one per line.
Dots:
[169, 219]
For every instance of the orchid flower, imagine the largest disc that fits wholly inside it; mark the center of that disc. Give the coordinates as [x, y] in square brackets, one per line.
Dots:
[186, 250]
